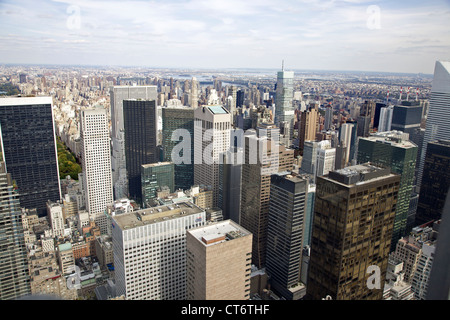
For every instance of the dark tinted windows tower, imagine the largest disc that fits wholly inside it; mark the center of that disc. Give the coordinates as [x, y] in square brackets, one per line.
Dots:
[29, 150]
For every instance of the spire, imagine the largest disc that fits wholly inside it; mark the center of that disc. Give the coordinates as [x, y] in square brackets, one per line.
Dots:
[282, 65]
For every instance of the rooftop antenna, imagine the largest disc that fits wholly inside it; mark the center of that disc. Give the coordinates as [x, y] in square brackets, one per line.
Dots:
[282, 65]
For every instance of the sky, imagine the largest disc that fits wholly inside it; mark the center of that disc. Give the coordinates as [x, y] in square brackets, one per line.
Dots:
[350, 35]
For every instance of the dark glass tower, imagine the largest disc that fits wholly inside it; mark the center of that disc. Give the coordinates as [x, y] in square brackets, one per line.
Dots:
[173, 119]
[285, 233]
[435, 182]
[29, 150]
[140, 124]
[352, 230]
[390, 150]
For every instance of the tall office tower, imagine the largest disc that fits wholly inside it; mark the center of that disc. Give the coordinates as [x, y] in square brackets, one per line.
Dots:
[376, 117]
[29, 150]
[352, 230]
[325, 159]
[407, 117]
[328, 118]
[232, 92]
[308, 125]
[154, 177]
[176, 120]
[194, 93]
[118, 164]
[309, 211]
[385, 121]
[363, 127]
[435, 182]
[391, 150]
[211, 139]
[439, 281]
[368, 109]
[96, 163]
[218, 262]
[288, 197]
[239, 98]
[140, 126]
[345, 139]
[438, 123]
[256, 188]
[284, 108]
[14, 270]
[230, 186]
[340, 160]
[309, 160]
[149, 248]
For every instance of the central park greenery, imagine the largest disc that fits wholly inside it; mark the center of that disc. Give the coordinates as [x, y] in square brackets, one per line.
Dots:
[67, 162]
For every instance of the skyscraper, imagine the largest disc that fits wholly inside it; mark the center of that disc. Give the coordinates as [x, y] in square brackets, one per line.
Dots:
[328, 117]
[438, 123]
[308, 126]
[194, 93]
[352, 231]
[285, 233]
[149, 248]
[118, 165]
[29, 150]
[140, 126]
[385, 120]
[435, 182]
[256, 188]
[284, 108]
[14, 269]
[218, 262]
[325, 159]
[231, 184]
[155, 176]
[96, 163]
[212, 138]
[391, 150]
[179, 119]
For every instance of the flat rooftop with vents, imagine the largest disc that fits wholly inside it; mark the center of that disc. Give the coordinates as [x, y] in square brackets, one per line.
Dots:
[155, 214]
[219, 232]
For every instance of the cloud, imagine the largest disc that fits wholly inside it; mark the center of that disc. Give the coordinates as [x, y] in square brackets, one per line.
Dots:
[228, 32]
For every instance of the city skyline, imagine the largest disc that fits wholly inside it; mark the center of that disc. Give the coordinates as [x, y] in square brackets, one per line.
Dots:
[379, 36]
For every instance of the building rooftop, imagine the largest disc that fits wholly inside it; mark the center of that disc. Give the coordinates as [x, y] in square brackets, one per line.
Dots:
[157, 164]
[358, 174]
[394, 138]
[218, 232]
[155, 214]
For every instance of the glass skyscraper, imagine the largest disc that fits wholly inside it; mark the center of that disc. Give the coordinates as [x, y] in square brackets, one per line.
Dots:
[390, 150]
[438, 121]
[140, 125]
[173, 119]
[155, 176]
[29, 150]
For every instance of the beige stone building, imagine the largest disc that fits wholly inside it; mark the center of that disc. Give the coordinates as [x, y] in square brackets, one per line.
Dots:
[218, 262]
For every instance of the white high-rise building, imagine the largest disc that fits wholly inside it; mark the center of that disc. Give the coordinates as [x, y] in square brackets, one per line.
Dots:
[438, 120]
[325, 158]
[385, 119]
[211, 139]
[56, 218]
[345, 138]
[96, 163]
[149, 248]
[117, 95]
